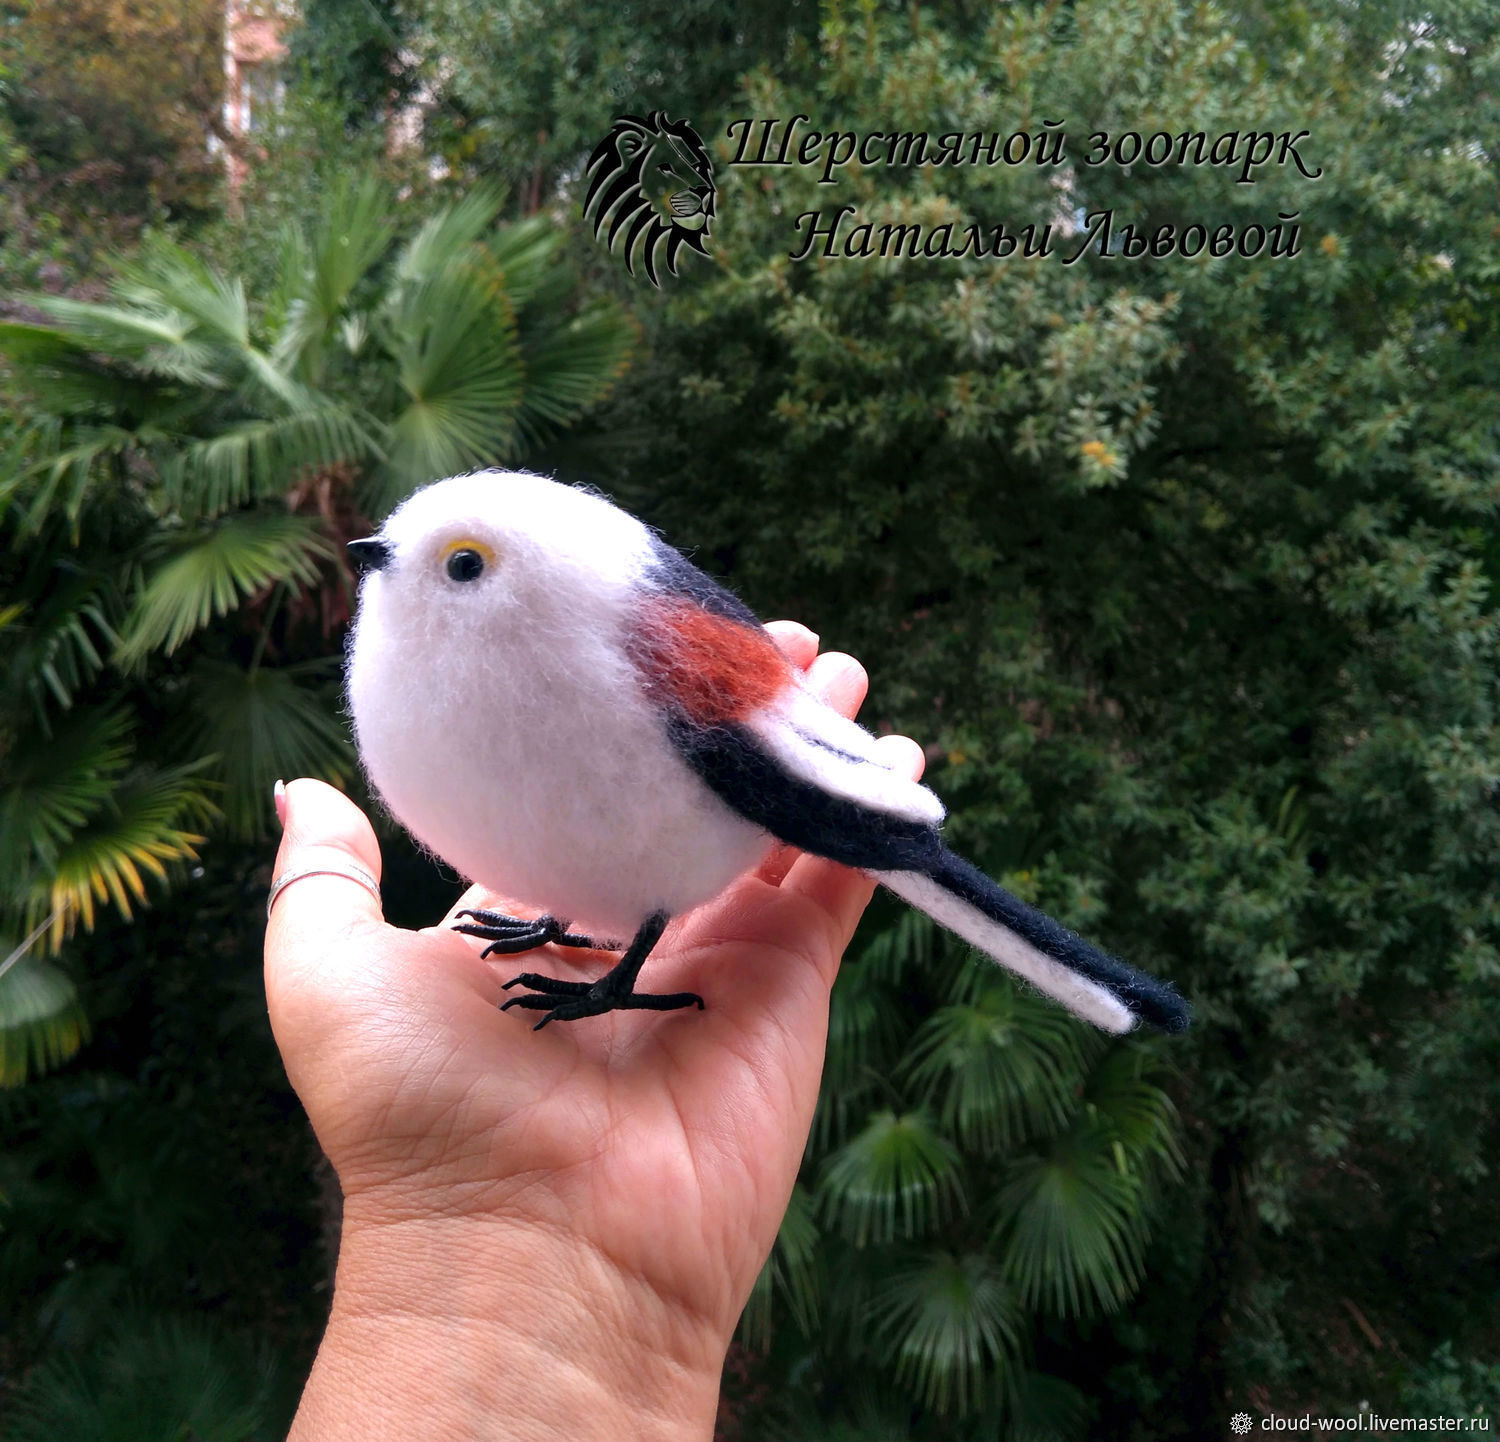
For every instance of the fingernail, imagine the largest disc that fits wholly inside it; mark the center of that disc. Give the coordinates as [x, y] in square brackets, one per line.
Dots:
[280, 796]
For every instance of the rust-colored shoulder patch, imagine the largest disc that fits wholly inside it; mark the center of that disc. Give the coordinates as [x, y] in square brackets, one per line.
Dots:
[710, 668]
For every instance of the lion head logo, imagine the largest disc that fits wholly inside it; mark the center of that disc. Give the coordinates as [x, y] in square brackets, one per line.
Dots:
[651, 181]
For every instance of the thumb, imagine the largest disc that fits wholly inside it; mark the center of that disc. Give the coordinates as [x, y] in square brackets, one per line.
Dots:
[325, 834]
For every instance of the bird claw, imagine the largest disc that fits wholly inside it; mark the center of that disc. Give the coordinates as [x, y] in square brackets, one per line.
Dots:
[509, 935]
[574, 1000]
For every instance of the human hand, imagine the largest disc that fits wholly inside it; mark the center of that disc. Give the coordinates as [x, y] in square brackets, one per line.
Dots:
[549, 1234]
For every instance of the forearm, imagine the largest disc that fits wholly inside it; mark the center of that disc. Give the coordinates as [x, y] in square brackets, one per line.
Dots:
[476, 1331]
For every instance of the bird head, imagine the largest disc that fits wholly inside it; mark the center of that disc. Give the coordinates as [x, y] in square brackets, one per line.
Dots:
[464, 558]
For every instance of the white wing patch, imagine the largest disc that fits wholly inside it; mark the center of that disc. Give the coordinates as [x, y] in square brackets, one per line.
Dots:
[815, 744]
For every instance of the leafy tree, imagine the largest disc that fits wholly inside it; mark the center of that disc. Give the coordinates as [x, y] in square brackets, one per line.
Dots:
[539, 85]
[113, 105]
[359, 53]
[187, 463]
[1186, 567]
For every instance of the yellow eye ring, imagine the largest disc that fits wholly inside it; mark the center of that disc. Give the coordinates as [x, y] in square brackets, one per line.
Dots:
[467, 559]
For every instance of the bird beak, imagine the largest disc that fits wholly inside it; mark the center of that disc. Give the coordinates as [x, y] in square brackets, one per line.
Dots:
[371, 554]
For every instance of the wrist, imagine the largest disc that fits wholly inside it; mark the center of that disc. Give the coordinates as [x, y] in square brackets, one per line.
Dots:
[499, 1331]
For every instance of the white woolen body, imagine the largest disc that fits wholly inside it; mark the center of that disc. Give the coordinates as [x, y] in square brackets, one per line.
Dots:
[505, 725]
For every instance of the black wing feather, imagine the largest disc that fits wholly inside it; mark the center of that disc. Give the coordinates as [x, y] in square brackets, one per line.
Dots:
[738, 769]
[734, 765]
[1154, 1001]
[741, 772]
[672, 572]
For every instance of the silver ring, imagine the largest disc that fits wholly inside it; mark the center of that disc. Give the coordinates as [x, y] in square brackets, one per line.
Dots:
[350, 870]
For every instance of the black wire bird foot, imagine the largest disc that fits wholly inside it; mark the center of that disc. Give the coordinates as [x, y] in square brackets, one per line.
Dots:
[508, 935]
[574, 1000]
[562, 1003]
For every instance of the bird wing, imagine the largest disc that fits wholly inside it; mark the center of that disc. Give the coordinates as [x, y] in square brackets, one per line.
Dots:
[740, 716]
[814, 743]
[784, 760]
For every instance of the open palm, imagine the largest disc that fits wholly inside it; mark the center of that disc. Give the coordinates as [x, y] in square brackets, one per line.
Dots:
[649, 1156]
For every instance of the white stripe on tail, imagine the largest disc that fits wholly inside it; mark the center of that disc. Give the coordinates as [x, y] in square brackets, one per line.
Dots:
[1081, 996]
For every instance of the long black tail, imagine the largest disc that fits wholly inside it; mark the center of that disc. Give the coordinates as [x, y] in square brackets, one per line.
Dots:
[1090, 982]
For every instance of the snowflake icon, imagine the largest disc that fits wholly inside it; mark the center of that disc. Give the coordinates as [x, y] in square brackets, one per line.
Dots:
[1240, 1423]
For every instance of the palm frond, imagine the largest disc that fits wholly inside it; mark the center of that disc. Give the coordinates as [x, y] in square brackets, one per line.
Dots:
[449, 237]
[156, 1378]
[262, 724]
[59, 477]
[26, 345]
[53, 377]
[53, 784]
[952, 1326]
[1124, 1095]
[898, 1178]
[1000, 1068]
[173, 281]
[151, 820]
[216, 570]
[293, 267]
[905, 946]
[864, 1024]
[42, 1023]
[572, 366]
[526, 253]
[864, 1030]
[1071, 1223]
[1041, 1408]
[123, 332]
[355, 233]
[168, 279]
[454, 344]
[256, 458]
[55, 643]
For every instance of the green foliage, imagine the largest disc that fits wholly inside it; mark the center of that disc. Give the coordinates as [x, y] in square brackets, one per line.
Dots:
[159, 1223]
[535, 87]
[42, 1022]
[106, 110]
[215, 571]
[357, 53]
[157, 1379]
[981, 1166]
[1185, 569]
[897, 1178]
[186, 459]
[1449, 1387]
[949, 1322]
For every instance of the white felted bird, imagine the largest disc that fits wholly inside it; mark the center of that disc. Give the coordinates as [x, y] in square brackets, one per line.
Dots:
[571, 713]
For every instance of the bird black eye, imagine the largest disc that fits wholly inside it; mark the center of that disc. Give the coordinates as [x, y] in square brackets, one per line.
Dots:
[465, 565]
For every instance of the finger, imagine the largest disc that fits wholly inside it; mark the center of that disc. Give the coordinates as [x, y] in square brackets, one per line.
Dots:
[795, 642]
[840, 891]
[840, 680]
[323, 828]
[778, 862]
[903, 755]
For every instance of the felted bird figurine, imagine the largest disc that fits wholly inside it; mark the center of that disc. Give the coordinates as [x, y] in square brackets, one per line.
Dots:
[569, 712]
